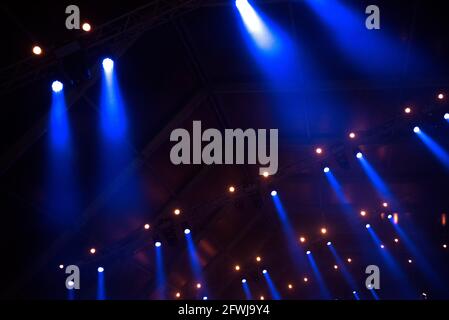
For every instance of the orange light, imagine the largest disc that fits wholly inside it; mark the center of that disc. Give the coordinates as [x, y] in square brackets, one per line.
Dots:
[290, 286]
[443, 219]
[147, 226]
[178, 295]
[262, 298]
[258, 259]
[177, 212]
[237, 267]
[302, 239]
[306, 279]
[86, 27]
[37, 50]
[323, 230]
[198, 285]
[319, 150]
[395, 218]
[266, 174]
[349, 260]
[231, 189]
[92, 250]
[363, 213]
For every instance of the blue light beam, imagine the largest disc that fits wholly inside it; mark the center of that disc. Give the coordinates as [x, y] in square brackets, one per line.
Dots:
[438, 151]
[316, 271]
[271, 286]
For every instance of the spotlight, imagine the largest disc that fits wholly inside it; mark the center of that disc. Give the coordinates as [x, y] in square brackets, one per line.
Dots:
[368, 226]
[440, 96]
[319, 151]
[198, 285]
[86, 27]
[416, 130]
[302, 239]
[177, 212]
[363, 213]
[349, 260]
[92, 250]
[329, 243]
[389, 216]
[237, 267]
[274, 193]
[178, 295]
[335, 267]
[231, 189]
[308, 252]
[108, 64]
[146, 226]
[306, 279]
[323, 230]
[61, 266]
[446, 116]
[100, 269]
[359, 155]
[445, 246]
[382, 246]
[408, 110]
[258, 259]
[243, 280]
[385, 204]
[354, 292]
[262, 298]
[264, 271]
[187, 231]
[204, 298]
[352, 135]
[326, 169]
[57, 86]
[157, 244]
[290, 286]
[266, 174]
[71, 283]
[396, 240]
[37, 50]
[410, 261]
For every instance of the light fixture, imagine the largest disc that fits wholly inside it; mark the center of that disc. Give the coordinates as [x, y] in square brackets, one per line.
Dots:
[352, 135]
[37, 50]
[323, 230]
[86, 27]
[349, 260]
[318, 151]
[440, 96]
[157, 244]
[92, 250]
[243, 280]
[108, 64]
[146, 226]
[231, 189]
[258, 259]
[57, 86]
[198, 285]
[359, 155]
[177, 212]
[302, 239]
[187, 231]
[274, 193]
[416, 130]
[363, 213]
[237, 267]
[265, 174]
[100, 269]
[408, 110]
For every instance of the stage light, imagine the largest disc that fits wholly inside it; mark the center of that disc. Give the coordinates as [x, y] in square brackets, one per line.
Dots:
[385, 204]
[363, 213]
[178, 295]
[177, 212]
[264, 271]
[416, 130]
[446, 116]
[368, 226]
[306, 279]
[100, 269]
[389, 216]
[396, 240]
[86, 27]
[70, 283]
[319, 151]
[440, 96]
[57, 86]
[335, 267]
[290, 286]
[395, 218]
[258, 259]
[329, 243]
[302, 239]
[359, 155]
[410, 261]
[444, 246]
[37, 50]
[61, 266]
[243, 280]
[92, 250]
[308, 252]
[146, 226]
[187, 231]
[382, 246]
[274, 193]
[262, 298]
[198, 285]
[352, 135]
[108, 64]
[326, 169]
[323, 230]
[157, 244]
[231, 189]
[205, 298]
[349, 260]
[266, 174]
[407, 110]
[237, 267]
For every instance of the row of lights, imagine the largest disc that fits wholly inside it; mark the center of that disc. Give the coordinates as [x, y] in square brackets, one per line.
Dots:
[37, 50]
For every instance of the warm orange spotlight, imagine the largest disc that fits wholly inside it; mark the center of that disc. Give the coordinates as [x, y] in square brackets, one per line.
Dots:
[290, 286]
[37, 50]
[363, 213]
[177, 212]
[178, 295]
[231, 189]
[302, 239]
[323, 230]
[86, 27]
[258, 259]
[237, 267]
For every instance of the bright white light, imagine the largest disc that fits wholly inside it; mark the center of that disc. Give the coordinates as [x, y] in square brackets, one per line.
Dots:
[359, 155]
[187, 231]
[264, 271]
[61, 266]
[308, 252]
[329, 243]
[57, 86]
[368, 226]
[71, 283]
[204, 298]
[108, 64]
[446, 116]
[254, 24]
[158, 244]
[37, 50]
[274, 193]
[416, 130]
[100, 269]
[86, 27]
[390, 216]
[326, 170]
[243, 280]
